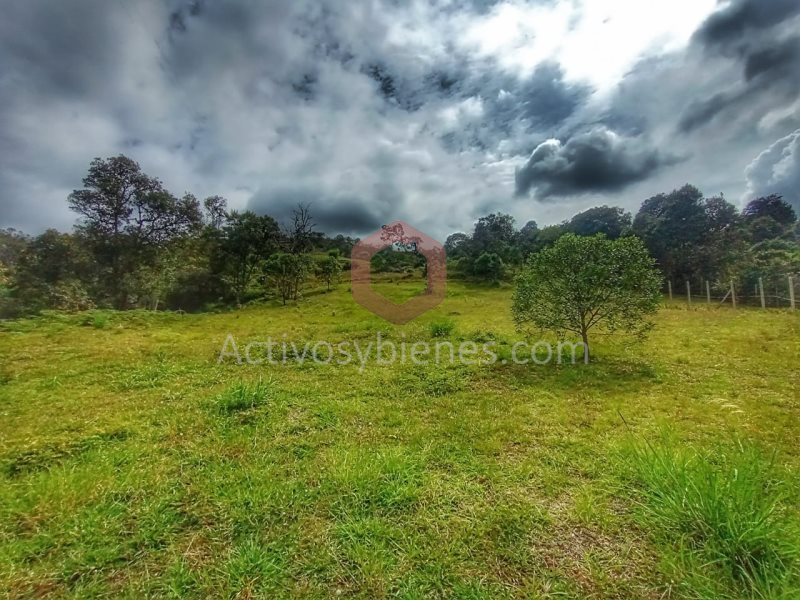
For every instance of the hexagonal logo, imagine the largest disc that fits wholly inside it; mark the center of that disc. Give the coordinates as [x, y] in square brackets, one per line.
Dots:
[402, 237]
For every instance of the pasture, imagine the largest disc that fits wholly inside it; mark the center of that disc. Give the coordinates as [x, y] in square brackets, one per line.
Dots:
[132, 464]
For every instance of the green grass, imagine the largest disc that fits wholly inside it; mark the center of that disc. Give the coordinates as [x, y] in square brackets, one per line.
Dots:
[133, 464]
[724, 516]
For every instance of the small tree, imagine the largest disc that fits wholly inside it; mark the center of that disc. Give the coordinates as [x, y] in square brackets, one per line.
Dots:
[330, 270]
[585, 282]
[287, 272]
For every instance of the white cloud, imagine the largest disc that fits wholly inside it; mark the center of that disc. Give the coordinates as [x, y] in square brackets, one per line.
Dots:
[776, 171]
[596, 41]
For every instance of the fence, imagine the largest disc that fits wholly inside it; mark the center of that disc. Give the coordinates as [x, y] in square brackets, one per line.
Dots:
[732, 293]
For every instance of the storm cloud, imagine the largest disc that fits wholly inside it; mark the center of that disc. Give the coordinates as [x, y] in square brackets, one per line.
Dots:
[424, 111]
[596, 161]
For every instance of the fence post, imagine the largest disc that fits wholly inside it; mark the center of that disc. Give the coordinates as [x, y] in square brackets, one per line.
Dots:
[761, 291]
[791, 292]
[733, 294]
[689, 293]
[708, 291]
[669, 285]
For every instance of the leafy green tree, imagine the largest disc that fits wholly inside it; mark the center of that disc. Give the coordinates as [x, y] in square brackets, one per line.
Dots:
[495, 234]
[12, 243]
[582, 283]
[772, 206]
[527, 238]
[52, 272]
[489, 267]
[456, 245]
[331, 270]
[215, 208]
[673, 226]
[612, 221]
[244, 243]
[287, 272]
[126, 218]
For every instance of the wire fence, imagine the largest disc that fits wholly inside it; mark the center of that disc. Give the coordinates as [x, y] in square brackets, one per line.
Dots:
[782, 292]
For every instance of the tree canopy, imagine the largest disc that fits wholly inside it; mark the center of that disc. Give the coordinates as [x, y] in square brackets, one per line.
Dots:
[583, 283]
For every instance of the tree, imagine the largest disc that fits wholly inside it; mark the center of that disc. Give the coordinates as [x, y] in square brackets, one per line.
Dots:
[772, 206]
[246, 240]
[673, 226]
[216, 211]
[331, 269]
[300, 234]
[127, 217]
[495, 233]
[609, 220]
[287, 272]
[456, 244]
[489, 267]
[527, 238]
[585, 282]
[52, 272]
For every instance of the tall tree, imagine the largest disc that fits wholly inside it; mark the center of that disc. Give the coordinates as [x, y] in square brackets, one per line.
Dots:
[772, 206]
[609, 220]
[673, 226]
[246, 241]
[300, 233]
[127, 216]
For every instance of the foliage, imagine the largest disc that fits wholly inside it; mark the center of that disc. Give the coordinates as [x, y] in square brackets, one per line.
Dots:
[442, 328]
[331, 270]
[489, 267]
[774, 207]
[244, 243]
[584, 282]
[609, 220]
[287, 272]
[137, 245]
[126, 216]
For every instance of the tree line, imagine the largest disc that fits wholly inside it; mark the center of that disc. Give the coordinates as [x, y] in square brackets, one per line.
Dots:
[138, 245]
[691, 237]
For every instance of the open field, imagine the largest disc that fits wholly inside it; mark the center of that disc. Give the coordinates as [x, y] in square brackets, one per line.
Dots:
[132, 464]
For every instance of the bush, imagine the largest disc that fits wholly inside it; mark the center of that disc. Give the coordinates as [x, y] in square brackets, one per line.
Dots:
[725, 517]
[443, 328]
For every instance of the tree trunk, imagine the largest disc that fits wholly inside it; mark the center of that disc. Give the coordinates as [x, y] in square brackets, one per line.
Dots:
[585, 336]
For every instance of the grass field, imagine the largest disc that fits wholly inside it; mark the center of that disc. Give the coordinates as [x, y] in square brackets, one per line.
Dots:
[133, 464]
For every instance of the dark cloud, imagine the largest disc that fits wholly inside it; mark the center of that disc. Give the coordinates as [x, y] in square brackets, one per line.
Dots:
[734, 25]
[596, 161]
[702, 112]
[545, 99]
[375, 111]
[775, 61]
[331, 213]
[758, 38]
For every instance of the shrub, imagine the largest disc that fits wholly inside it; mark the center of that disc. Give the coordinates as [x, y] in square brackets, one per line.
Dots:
[443, 328]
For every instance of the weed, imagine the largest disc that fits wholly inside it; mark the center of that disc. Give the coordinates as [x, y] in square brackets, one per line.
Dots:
[243, 396]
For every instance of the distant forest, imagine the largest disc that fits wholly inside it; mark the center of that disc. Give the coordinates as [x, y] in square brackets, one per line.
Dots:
[136, 245]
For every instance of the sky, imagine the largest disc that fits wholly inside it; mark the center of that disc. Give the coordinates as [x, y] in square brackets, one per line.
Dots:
[435, 113]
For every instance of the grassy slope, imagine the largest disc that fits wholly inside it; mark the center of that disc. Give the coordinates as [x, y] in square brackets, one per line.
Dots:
[126, 471]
